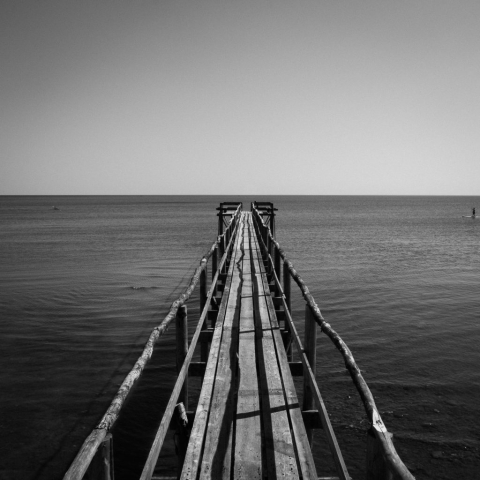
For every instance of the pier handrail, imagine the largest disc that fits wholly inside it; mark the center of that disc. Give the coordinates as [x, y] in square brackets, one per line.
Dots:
[91, 444]
[394, 463]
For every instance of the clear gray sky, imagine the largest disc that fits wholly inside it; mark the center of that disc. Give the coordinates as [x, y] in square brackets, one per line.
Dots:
[240, 96]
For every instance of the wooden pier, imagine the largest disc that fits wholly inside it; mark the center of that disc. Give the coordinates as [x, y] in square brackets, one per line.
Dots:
[248, 423]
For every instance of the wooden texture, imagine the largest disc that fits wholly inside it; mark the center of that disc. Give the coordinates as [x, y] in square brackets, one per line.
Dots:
[248, 441]
[216, 458]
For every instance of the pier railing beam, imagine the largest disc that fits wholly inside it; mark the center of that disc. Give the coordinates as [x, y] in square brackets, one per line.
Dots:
[181, 333]
[310, 347]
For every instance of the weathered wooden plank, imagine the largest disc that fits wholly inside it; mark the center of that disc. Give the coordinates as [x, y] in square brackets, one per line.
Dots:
[216, 459]
[248, 441]
[280, 453]
[197, 435]
[305, 458]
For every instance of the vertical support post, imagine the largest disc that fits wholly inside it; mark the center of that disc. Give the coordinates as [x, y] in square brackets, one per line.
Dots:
[277, 266]
[376, 466]
[203, 289]
[221, 248]
[310, 347]
[272, 219]
[287, 291]
[223, 245]
[287, 286]
[181, 334]
[220, 219]
[203, 301]
[269, 253]
[181, 436]
[214, 269]
[107, 454]
[101, 466]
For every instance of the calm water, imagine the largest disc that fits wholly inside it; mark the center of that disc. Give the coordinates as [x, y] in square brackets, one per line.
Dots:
[81, 287]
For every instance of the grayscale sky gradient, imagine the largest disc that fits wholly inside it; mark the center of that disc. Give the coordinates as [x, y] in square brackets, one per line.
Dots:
[240, 96]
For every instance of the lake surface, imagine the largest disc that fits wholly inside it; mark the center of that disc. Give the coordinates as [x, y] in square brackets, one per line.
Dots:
[82, 286]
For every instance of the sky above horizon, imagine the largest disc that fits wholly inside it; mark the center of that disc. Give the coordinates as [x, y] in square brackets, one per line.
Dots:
[239, 97]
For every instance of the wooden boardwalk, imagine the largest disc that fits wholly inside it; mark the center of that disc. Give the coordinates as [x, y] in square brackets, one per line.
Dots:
[248, 421]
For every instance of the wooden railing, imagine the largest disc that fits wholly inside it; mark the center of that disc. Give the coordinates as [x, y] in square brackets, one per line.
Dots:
[96, 460]
[383, 462]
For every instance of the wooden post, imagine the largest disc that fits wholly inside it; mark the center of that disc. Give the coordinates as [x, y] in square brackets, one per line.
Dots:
[181, 436]
[277, 267]
[287, 291]
[272, 219]
[203, 289]
[101, 466]
[310, 347]
[203, 301]
[181, 333]
[376, 467]
[269, 253]
[220, 219]
[214, 268]
[221, 249]
[107, 454]
[224, 250]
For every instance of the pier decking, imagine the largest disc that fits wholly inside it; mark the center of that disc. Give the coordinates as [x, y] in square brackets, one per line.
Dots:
[248, 422]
